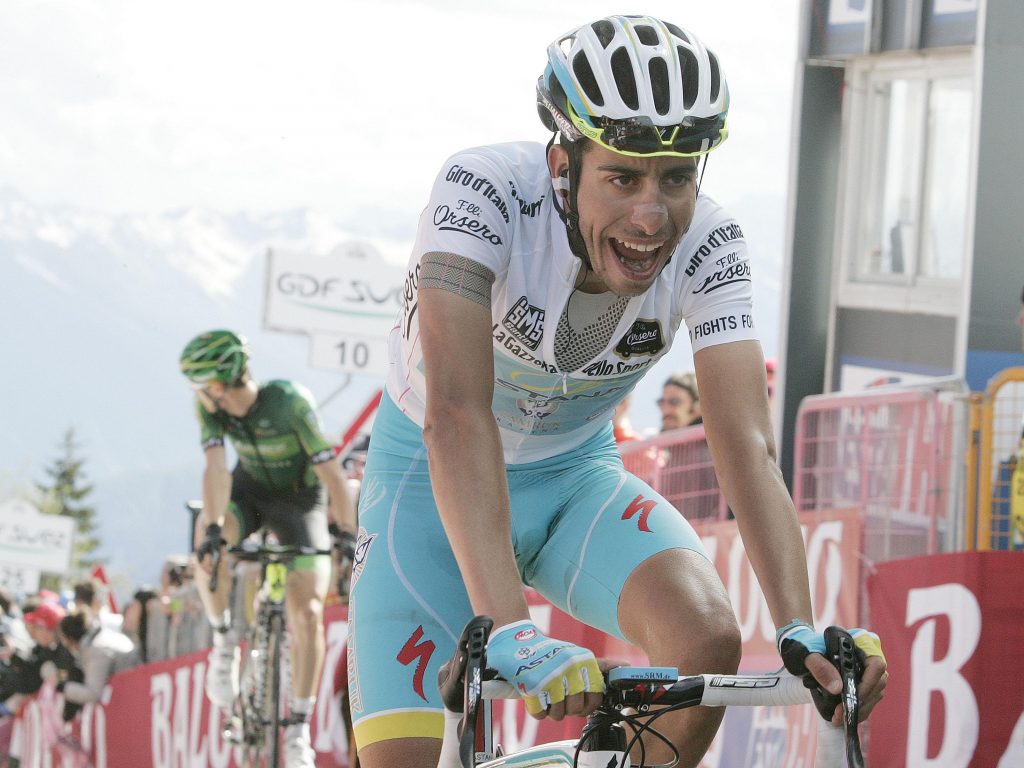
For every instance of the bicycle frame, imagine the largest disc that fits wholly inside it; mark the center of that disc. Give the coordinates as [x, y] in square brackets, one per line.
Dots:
[259, 706]
[259, 710]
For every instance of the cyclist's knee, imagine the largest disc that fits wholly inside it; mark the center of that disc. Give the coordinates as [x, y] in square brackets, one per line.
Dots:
[706, 642]
[718, 644]
[305, 612]
[695, 627]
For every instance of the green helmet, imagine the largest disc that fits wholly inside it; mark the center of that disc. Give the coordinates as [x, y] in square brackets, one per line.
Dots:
[215, 356]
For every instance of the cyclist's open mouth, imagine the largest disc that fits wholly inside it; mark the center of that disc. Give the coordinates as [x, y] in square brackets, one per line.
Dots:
[640, 260]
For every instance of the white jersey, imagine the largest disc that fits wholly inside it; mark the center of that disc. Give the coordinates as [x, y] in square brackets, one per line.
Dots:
[493, 205]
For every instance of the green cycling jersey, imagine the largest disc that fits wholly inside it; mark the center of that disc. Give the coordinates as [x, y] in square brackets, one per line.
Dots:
[278, 441]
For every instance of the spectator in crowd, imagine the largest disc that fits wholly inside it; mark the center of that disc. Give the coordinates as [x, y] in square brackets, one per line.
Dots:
[167, 620]
[87, 595]
[10, 699]
[100, 652]
[621, 425]
[643, 463]
[679, 401]
[769, 370]
[8, 605]
[48, 657]
[141, 617]
[12, 668]
[687, 477]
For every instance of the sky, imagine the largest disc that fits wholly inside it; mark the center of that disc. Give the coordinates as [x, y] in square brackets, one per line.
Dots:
[134, 106]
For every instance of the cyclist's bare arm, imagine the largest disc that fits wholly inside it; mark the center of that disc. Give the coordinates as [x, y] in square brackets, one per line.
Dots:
[341, 508]
[467, 467]
[216, 495]
[737, 422]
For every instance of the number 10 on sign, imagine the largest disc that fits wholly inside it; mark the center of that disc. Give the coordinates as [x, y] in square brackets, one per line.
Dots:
[351, 354]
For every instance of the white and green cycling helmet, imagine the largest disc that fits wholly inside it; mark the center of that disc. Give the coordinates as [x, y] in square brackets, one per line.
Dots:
[218, 355]
[637, 86]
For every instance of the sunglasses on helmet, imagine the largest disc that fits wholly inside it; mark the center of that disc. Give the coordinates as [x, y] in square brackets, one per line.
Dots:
[640, 136]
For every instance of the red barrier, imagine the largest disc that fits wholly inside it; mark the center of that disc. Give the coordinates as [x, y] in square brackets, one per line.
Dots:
[952, 630]
[157, 715]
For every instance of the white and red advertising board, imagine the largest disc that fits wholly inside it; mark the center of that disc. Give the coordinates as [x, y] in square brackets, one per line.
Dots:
[953, 630]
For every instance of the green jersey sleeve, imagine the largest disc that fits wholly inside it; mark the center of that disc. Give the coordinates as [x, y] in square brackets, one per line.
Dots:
[309, 428]
[211, 431]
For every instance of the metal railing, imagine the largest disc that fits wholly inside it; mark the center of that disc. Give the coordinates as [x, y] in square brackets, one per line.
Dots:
[997, 431]
[896, 454]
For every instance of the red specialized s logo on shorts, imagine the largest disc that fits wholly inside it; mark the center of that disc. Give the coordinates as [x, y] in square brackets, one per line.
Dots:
[644, 507]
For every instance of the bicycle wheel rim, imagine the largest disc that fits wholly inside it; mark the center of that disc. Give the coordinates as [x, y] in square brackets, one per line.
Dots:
[272, 699]
[253, 724]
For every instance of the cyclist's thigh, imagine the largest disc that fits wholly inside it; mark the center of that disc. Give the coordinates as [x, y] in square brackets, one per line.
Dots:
[408, 603]
[299, 519]
[609, 522]
[245, 503]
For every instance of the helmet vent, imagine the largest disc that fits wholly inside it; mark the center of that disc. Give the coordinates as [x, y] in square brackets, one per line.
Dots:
[691, 73]
[659, 84]
[646, 34]
[625, 80]
[716, 76]
[585, 77]
[605, 31]
[678, 32]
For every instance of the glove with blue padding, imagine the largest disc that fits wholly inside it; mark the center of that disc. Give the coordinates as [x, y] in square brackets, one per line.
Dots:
[544, 670]
[798, 638]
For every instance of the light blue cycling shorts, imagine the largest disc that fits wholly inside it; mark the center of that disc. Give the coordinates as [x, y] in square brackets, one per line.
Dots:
[580, 525]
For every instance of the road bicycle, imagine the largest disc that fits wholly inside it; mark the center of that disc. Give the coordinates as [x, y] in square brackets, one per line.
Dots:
[614, 730]
[258, 715]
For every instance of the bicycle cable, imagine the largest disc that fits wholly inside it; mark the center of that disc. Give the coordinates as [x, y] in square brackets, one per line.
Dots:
[638, 724]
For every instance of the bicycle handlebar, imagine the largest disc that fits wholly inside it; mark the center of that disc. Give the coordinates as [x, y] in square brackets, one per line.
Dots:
[273, 553]
[262, 552]
[766, 690]
[464, 682]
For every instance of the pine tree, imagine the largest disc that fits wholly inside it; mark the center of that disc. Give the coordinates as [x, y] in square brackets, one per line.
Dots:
[65, 494]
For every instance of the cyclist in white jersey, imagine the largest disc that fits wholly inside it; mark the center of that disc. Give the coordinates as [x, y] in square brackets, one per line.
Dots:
[543, 284]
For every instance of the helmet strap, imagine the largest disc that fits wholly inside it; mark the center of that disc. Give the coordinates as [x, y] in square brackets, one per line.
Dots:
[700, 173]
[570, 213]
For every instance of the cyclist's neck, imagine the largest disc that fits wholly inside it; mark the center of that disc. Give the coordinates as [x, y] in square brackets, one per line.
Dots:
[238, 401]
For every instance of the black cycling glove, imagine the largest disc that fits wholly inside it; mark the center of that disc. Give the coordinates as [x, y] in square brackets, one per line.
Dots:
[345, 544]
[212, 543]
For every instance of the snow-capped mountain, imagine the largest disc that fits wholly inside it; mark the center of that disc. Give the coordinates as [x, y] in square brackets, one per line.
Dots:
[94, 310]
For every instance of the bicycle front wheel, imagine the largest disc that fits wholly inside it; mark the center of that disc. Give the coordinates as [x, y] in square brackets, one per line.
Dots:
[271, 704]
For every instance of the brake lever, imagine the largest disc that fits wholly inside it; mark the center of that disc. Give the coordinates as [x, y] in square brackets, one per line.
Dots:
[848, 660]
[215, 561]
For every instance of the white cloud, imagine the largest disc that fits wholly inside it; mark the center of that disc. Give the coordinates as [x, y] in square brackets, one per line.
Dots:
[128, 106]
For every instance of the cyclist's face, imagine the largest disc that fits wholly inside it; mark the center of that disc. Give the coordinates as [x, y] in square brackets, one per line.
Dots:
[633, 210]
[678, 408]
[210, 394]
